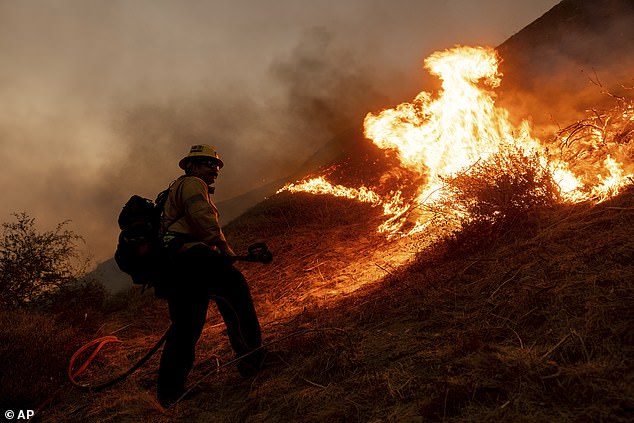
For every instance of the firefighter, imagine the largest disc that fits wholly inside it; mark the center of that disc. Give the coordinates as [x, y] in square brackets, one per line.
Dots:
[201, 269]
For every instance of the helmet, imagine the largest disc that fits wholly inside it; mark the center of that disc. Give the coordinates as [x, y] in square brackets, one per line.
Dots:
[201, 150]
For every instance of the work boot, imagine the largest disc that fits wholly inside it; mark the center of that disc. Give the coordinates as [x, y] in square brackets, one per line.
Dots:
[247, 370]
[250, 365]
[264, 360]
[167, 399]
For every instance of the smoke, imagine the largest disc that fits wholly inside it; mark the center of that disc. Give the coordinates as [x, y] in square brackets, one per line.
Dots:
[101, 99]
[574, 59]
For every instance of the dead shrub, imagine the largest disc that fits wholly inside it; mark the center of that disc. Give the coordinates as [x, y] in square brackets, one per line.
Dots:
[588, 142]
[494, 197]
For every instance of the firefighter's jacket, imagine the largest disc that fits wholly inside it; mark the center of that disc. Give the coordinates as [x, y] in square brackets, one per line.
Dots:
[190, 214]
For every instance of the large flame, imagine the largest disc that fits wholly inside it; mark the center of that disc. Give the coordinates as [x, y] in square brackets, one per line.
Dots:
[440, 137]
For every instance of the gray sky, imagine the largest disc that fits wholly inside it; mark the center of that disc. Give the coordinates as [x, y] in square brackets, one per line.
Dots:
[100, 99]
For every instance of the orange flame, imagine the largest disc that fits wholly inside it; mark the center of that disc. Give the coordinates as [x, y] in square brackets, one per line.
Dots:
[444, 135]
[321, 186]
[439, 137]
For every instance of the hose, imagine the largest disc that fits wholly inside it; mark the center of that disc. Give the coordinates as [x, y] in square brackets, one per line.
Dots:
[101, 343]
[113, 339]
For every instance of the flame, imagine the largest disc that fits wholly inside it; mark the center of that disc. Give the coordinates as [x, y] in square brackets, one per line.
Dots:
[321, 186]
[612, 184]
[444, 135]
[438, 137]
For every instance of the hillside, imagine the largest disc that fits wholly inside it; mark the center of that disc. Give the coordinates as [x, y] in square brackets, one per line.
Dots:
[571, 45]
[531, 328]
[532, 321]
[565, 62]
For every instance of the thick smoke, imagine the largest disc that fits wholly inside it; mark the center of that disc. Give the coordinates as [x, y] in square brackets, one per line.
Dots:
[101, 99]
[322, 91]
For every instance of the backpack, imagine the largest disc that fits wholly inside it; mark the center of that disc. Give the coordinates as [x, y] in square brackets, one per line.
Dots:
[140, 251]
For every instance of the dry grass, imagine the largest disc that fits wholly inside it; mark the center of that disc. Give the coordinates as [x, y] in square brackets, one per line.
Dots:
[537, 327]
[33, 352]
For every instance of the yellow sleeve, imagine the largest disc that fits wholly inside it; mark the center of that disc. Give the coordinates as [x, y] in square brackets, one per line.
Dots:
[201, 214]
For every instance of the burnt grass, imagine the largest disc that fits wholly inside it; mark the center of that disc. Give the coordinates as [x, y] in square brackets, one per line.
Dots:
[536, 325]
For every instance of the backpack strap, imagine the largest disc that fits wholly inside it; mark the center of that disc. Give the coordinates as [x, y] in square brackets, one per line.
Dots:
[172, 241]
[161, 200]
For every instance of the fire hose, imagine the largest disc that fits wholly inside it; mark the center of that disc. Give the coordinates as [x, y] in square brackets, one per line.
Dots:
[256, 253]
[101, 343]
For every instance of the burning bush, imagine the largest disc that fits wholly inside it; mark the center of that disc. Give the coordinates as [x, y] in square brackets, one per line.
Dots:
[434, 137]
[495, 196]
[600, 148]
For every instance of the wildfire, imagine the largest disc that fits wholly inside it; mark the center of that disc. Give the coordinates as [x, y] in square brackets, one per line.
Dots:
[444, 135]
[321, 186]
[439, 137]
[610, 185]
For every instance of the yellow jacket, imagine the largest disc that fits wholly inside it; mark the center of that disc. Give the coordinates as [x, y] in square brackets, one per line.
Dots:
[190, 211]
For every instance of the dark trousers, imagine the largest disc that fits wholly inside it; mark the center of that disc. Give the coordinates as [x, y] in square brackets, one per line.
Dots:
[200, 275]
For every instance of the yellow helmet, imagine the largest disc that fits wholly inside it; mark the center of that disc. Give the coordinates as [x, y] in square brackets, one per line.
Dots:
[201, 150]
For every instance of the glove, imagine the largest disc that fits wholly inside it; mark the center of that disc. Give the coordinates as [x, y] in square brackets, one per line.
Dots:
[260, 253]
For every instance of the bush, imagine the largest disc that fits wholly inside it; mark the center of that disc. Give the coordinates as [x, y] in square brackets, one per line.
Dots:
[33, 264]
[495, 196]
